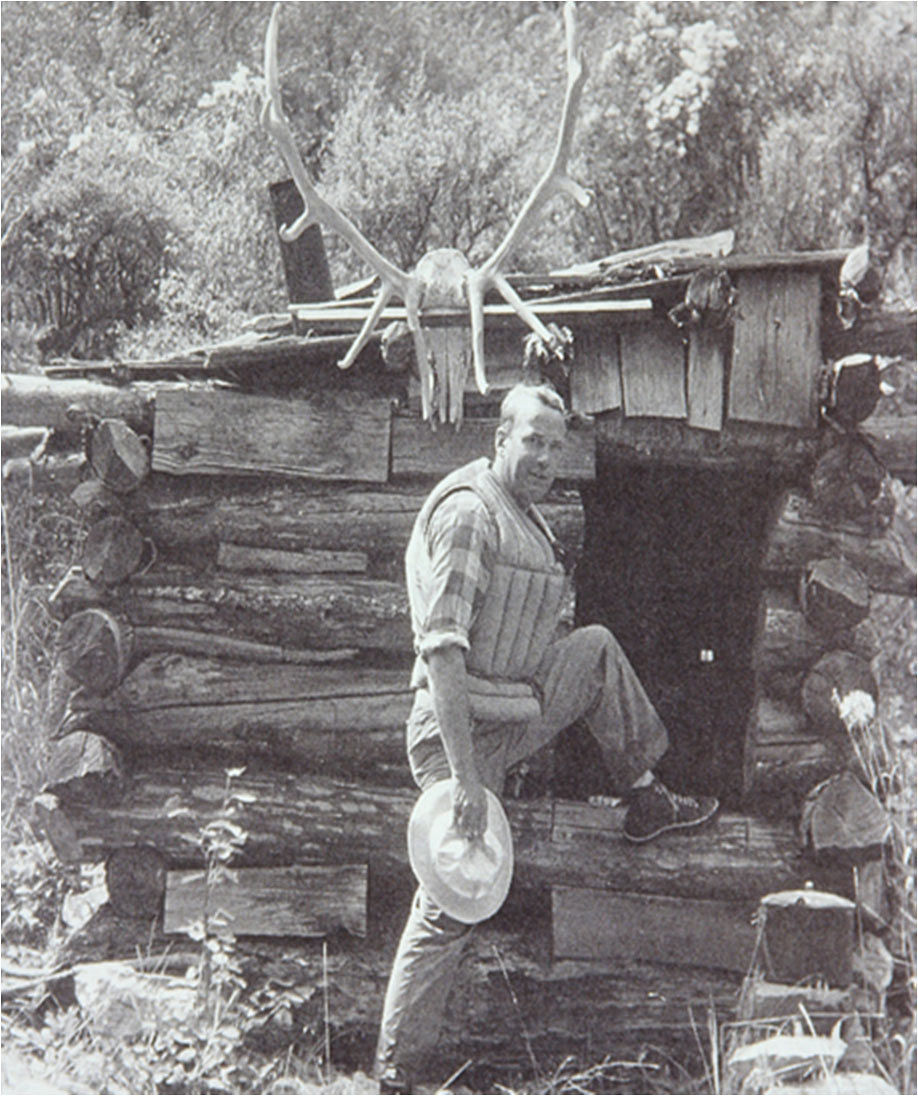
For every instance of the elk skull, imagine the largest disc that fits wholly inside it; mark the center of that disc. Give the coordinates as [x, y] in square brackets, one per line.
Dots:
[444, 278]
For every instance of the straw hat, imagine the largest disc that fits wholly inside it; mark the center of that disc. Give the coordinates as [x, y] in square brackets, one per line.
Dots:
[469, 880]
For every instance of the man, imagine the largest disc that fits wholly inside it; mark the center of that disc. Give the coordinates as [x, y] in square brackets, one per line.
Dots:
[494, 684]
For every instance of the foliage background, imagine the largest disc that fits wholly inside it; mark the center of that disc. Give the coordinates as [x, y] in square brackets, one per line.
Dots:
[135, 214]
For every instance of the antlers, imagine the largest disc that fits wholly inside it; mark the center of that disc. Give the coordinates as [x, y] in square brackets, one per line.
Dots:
[443, 278]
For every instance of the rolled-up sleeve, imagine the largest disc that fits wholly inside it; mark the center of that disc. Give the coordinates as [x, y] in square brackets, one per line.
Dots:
[461, 543]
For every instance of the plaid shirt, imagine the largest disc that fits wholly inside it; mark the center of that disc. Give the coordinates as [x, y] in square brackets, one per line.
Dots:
[462, 544]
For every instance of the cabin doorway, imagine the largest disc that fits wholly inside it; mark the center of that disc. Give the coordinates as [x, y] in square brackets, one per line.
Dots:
[671, 565]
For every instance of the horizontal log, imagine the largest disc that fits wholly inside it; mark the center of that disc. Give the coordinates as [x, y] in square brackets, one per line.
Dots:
[742, 446]
[332, 436]
[136, 881]
[38, 401]
[327, 718]
[300, 900]
[297, 818]
[54, 476]
[188, 513]
[291, 611]
[418, 450]
[891, 334]
[184, 641]
[305, 561]
[800, 535]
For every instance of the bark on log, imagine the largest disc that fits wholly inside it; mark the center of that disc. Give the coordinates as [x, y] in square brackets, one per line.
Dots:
[830, 684]
[84, 767]
[302, 819]
[37, 401]
[292, 517]
[330, 719]
[834, 596]
[889, 333]
[800, 535]
[306, 561]
[148, 641]
[282, 610]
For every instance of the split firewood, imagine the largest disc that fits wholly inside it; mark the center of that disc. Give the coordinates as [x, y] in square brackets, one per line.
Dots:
[834, 595]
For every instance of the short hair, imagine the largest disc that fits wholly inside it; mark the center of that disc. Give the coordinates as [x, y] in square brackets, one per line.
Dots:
[524, 392]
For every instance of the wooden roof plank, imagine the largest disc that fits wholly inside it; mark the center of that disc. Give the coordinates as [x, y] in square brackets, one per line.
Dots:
[776, 348]
[705, 382]
[653, 371]
[596, 383]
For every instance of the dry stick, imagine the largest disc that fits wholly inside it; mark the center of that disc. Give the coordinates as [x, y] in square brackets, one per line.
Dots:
[519, 1011]
[455, 1075]
[325, 1012]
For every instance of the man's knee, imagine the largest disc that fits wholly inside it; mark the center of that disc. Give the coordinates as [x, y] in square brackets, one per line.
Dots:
[595, 639]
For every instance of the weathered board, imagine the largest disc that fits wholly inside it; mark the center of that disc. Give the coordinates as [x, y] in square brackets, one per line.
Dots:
[591, 924]
[418, 450]
[653, 371]
[300, 900]
[776, 349]
[333, 436]
[305, 561]
[706, 359]
[596, 383]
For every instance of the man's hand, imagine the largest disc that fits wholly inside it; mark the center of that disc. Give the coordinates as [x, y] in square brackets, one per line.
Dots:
[470, 807]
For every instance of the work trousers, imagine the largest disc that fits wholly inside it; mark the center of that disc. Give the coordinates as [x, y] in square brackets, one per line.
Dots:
[585, 676]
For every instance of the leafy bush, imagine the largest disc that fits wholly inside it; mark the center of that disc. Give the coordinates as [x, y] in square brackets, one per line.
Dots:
[81, 261]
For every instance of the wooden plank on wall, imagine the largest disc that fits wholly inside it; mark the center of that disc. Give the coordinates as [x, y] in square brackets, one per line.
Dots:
[776, 348]
[418, 450]
[690, 932]
[653, 371]
[301, 900]
[596, 383]
[335, 436]
[706, 359]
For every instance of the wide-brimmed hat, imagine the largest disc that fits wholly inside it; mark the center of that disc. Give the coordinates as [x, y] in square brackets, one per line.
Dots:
[469, 880]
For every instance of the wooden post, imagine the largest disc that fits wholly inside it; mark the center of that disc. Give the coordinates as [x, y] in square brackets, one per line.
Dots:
[305, 264]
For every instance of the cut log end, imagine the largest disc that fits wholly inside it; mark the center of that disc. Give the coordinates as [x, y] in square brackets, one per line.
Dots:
[86, 768]
[834, 595]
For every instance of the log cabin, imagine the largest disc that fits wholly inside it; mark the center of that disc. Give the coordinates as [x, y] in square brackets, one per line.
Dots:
[740, 534]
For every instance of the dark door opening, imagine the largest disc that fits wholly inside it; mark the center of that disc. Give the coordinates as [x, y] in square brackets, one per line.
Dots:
[671, 566]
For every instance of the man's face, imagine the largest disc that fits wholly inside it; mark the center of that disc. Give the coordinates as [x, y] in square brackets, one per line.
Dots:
[529, 452]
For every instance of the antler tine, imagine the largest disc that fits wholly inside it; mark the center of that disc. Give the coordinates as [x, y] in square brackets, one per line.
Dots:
[555, 180]
[315, 209]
